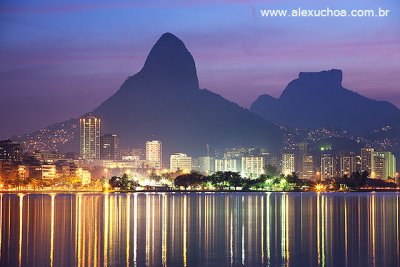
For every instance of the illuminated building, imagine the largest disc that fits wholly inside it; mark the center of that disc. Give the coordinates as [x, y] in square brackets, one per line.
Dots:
[228, 165]
[10, 151]
[48, 172]
[85, 176]
[327, 167]
[180, 161]
[288, 163]
[308, 167]
[301, 155]
[206, 165]
[154, 153]
[23, 171]
[110, 147]
[348, 164]
[219, 165]
[90, 137]
[367, 160]
[252, 167]
[384, 165]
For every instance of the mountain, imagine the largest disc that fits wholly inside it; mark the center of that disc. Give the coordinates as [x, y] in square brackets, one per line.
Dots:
[318, 99]
[163, 101]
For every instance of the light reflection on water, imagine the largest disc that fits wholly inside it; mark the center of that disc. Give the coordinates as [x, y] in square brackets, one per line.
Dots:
[199, 229]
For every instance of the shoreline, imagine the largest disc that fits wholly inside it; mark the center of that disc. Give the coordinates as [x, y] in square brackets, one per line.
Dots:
[188, 191]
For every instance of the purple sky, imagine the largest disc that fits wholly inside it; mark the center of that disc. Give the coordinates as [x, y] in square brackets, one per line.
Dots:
[60, 60]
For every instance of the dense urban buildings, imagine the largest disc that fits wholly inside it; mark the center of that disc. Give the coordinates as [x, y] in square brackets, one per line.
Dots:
[251, 163]
[90, 137]
[154, 153]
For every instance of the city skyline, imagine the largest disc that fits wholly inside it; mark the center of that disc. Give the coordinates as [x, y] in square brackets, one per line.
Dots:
[200, 133]
[240, 66]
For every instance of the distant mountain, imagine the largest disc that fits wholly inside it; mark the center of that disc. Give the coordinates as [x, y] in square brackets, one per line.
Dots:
[316, 100]
[163, 101]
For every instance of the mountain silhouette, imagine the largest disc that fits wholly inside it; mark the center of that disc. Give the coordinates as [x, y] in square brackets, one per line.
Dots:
[163, 101]
[318, 99]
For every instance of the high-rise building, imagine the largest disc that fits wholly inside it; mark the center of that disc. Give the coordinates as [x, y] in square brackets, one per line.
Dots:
[390, 164]
[10, 151]
[110, 147]
[272, 160]
[348, 164]
[233, 165]
[154, 153]
[384, 165]
[252, 167]
[302, 154]
[206, 165]
[288, 164]
[90, 137]
[180, 161]
[307, 168]
[219, 165]
[379, 166]
[228, 165]
[327, 166]
[367, 160]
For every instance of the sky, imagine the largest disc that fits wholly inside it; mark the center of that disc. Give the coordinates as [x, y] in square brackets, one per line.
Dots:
[61, 59]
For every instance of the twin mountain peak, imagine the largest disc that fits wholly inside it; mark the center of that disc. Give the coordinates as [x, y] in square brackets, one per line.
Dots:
[163, 101]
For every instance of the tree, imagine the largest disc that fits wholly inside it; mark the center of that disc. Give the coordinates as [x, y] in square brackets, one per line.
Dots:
[190, 179]
[122, 183]
[292, 178]
[220, 179]
[271, 170]
[115, 182]
[153, 176]
[234, 179]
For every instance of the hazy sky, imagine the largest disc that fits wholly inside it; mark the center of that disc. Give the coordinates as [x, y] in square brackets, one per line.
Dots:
[60, 59]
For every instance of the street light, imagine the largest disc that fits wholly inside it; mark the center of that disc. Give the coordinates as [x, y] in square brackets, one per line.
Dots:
[106, 171]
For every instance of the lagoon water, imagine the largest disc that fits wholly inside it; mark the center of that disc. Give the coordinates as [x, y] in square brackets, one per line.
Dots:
[200, 229]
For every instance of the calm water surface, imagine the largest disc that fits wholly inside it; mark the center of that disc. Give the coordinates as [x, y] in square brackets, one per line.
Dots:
[199, 229]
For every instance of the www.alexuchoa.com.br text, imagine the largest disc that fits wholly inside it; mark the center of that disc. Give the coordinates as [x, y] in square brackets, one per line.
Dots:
[325, 12]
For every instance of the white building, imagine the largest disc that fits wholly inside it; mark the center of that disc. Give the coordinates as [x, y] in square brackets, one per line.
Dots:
[90, 137]
[206, 165]
[219, 165]
[154, 153]
[85, 176]
[327, 167]
[252, 167]
[288, 163]
[228, 165]
[180, 161]
[384, 165]
[49, 172]
[348, 165]
[367, 160]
